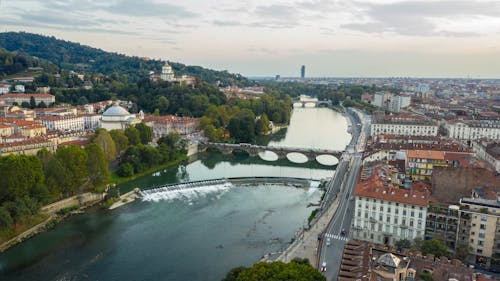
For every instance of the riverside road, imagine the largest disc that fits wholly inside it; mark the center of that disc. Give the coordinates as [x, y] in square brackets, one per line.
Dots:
[339, 227]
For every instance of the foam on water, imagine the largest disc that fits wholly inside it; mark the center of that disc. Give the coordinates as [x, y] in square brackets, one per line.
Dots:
[185, 192]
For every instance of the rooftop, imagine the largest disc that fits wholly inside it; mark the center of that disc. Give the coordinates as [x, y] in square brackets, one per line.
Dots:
[116, 110]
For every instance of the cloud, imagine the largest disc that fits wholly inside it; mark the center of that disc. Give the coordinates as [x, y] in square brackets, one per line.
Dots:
[420, 18]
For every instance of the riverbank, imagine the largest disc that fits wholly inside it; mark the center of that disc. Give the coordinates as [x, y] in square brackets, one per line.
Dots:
[50, 215]
[119, 180]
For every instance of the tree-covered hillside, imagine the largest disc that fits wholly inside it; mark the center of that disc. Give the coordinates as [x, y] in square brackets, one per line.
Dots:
[14, 62]
[74, 56]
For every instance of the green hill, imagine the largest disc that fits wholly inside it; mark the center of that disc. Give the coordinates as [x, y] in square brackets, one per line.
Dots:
[74, 56]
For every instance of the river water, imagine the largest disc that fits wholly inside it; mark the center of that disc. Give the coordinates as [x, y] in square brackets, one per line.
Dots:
[193, 237]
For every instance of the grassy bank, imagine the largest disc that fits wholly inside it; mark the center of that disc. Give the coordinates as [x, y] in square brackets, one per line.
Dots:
[117, 179]
[29, 222]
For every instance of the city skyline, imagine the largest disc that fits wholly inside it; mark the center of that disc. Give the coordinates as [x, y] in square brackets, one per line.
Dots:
[383, 38]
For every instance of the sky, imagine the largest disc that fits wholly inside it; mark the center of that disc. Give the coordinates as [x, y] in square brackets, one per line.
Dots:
[335, 38]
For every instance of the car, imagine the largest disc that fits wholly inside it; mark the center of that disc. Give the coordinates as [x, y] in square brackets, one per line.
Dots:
[328, 242]
[352, 198]
[342, 232]
[323, 267]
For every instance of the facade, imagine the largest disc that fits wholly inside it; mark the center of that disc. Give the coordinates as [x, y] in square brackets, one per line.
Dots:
[163, 125]
[10, 99]
[27, 129]
[27, 147]
[6, 130]
[117, 118]
[470, 130]
[385, 213]
[483, 208]
[394, 125]
[421, 162]
[92, 121]
[4, 88]
[489, 152]
[448, 224]
[63, 123]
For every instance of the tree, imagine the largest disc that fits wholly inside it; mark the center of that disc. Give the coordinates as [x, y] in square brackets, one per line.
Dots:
[32, 102]
[125, 170]
[74, 160]
[434, 247]
[97, 166]
[25, 104]
[121, 141]
[462, 252]
[105, 141]
[426, 276]
[42, 104]
[19, 175]
[133, 136]
[145, 132]
[275, 271]
[6, 220]
[403, 244]
[161, 103]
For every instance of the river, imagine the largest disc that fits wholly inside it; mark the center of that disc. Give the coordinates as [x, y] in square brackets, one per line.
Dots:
[195, 237]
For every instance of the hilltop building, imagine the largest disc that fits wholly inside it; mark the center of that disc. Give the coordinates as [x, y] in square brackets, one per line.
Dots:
[167, 74]
[303, 72]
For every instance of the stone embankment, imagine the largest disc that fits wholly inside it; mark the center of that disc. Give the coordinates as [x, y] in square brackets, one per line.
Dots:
[126, 198]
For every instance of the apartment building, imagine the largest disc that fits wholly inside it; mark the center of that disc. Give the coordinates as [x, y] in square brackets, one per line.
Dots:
[470, 130]
[10, 99]
[403, 125]
[483, 208]
[63, 123]
[385, 213]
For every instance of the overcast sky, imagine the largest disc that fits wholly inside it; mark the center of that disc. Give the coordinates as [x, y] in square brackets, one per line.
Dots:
[423, 38]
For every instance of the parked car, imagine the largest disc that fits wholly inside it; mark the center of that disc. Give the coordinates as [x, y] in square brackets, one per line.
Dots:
[342, 232]
[323, 267]
[328, 242]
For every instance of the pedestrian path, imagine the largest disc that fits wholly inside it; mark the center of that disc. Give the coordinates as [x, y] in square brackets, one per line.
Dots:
[338, 237]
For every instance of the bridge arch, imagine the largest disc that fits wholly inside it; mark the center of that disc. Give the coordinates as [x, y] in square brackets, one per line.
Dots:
[327, 160]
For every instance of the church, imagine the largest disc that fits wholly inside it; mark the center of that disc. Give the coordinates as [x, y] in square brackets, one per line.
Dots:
[117, 117]
[167, 74]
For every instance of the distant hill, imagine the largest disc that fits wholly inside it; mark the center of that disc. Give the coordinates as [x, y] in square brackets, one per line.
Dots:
[14, 63]
[77, 57]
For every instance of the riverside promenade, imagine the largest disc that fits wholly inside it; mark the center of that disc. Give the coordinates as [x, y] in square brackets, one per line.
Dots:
[307, 243]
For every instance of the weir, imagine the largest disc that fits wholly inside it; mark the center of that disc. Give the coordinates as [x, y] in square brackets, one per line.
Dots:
[194, 189]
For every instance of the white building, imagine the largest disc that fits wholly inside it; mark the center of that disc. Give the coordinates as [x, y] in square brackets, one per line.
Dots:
[393, 125]
[63, 123]
[117, 118]
[167, 74]
[385, 214]
[92, 121]
[10, 99]
[474, 129]
[489, 152]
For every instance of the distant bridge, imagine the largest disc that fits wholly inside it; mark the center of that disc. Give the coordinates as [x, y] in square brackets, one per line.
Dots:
[281, 152]
[317, 103]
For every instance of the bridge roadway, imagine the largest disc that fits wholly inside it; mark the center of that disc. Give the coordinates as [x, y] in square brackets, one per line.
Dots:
[282, 152]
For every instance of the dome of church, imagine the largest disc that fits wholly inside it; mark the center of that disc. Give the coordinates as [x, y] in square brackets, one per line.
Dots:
[116, 110]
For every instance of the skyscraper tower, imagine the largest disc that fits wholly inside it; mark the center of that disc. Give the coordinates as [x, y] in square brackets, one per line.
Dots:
[303, 72]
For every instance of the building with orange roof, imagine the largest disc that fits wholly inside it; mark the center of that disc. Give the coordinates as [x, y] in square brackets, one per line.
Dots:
[27, 146]
[386, 213]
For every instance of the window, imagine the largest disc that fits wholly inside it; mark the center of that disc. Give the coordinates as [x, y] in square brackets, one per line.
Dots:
[366, 215]
[388, 209]
[481, 235]
[412, 213]
[388, 219]
[419, 215]
[396, 220]
[404, 212]
[381, 208]
[482, 226]
[396, 211]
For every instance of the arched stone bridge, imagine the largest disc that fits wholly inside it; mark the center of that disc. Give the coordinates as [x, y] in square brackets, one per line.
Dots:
[281, 152]
[317, 103]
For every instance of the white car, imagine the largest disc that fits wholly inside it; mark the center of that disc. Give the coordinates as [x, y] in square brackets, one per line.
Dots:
[323, 267]
[328, 241]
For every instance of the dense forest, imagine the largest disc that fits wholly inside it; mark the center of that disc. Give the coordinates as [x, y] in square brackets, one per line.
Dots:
[74, 56]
